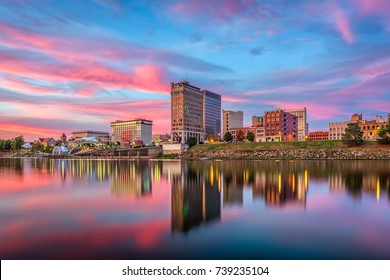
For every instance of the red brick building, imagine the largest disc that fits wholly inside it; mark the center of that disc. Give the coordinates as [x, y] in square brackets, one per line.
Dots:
[280, 126]
[258, 131]
[318, 136]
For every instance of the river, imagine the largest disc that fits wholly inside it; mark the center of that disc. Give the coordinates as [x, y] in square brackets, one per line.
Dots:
[172, 209]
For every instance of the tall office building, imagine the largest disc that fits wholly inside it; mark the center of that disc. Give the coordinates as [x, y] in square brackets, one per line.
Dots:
[212, 113]
[194, 112]
[303, 126]
[232, 119]
[132, 131]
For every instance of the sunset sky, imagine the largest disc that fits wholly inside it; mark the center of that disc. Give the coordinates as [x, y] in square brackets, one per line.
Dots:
[77, 65]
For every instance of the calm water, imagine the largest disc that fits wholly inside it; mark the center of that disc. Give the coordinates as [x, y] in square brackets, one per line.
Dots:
[100, 209]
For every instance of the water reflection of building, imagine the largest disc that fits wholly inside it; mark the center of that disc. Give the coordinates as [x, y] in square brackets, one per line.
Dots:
[233, 187]
[81, 170]
[280, 188]
[357, 181]
[132, 178]
[196, 197]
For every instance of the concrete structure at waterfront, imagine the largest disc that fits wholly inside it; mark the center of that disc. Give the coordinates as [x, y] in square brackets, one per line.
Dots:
[195, 113]
[132, 132]
[257, 120]
[99, 135]
[303, 126]
[318, 136]
[280, 126]
[232, 119]
[212, 113]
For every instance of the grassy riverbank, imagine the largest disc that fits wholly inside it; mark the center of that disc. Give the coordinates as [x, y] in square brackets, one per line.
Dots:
[290, 150]
[259, 146]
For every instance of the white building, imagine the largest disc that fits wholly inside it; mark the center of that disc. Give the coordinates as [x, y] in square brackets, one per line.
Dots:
[132, 132]
[303, 126]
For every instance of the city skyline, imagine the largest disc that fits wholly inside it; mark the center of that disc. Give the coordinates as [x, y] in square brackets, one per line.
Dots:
[63, 69]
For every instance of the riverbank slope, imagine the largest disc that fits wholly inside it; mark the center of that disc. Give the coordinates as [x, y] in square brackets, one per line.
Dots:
[289, 150]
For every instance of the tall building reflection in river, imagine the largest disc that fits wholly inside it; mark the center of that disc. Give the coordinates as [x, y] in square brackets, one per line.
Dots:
[196, 196]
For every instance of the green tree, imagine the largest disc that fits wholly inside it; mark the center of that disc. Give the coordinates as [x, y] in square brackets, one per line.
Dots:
[36, 146]
[191, 141]
[17, 143]
[353, 135]
[48, 149]
[228, 137]
[6, 145]
[240, 136]
[250, 136]
[384, 133]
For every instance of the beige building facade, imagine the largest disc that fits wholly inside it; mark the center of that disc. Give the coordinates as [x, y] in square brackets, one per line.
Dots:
[257, 120]
[187, 119]
[369, 128]
[132, 131]
[232, 119]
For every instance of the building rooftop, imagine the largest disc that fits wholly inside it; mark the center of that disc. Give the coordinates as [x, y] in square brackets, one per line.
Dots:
[90, 131]
[133, 120]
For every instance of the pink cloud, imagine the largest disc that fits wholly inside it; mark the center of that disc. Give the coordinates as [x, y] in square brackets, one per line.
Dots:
[144, 77]
[17, 36]
[314, 110]
[220, 9]
[343, 25]
[17, 84]
[375, 69]
[8, 130]
[233, 99]
[373, 7]
[242, 11]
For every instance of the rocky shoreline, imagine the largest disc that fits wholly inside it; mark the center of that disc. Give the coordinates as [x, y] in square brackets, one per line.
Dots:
[294, 154]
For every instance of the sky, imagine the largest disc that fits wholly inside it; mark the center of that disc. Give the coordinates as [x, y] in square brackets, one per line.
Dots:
[78, 65]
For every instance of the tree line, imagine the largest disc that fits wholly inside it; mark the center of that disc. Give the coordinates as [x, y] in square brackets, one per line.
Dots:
[11, 144]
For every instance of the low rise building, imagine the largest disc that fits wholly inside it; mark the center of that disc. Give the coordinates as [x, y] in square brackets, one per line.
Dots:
[156, 138]
[48, 141]
[369, 128]
[318, 136]
[337, 129]
[258, 131]
[99, 135]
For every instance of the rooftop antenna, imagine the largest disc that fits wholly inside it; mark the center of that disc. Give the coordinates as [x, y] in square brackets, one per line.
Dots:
[187, 76]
